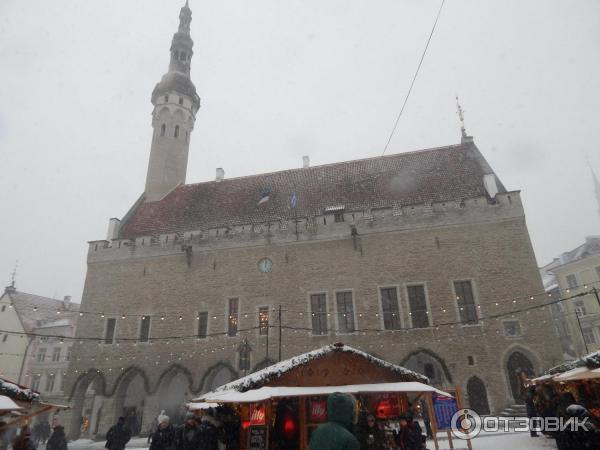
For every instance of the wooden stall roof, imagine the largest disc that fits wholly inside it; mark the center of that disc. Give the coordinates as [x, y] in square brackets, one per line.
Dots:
[332, 365]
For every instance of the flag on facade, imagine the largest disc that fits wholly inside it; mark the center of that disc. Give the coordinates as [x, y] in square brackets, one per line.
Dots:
[293, 200]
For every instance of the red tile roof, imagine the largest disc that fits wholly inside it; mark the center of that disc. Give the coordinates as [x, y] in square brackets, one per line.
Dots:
[435, 175]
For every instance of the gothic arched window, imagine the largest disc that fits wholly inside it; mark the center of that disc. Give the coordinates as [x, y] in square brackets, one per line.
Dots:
[163, 129]
[176, 134]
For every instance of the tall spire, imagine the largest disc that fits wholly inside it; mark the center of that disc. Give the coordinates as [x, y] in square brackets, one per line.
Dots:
[175, 106]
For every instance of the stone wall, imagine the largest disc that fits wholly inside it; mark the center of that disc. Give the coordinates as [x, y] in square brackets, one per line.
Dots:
[487, 244]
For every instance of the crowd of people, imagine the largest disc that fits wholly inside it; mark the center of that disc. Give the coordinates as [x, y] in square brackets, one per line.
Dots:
[550, 401]
[53, 438]
[345, 431]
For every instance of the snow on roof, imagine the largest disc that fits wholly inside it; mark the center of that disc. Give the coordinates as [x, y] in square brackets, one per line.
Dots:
[6, 404]
[257, 379]
[57, 323]
[17, 392]
[591, 361]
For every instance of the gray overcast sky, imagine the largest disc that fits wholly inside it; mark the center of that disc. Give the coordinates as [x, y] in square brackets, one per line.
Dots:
[279, 79]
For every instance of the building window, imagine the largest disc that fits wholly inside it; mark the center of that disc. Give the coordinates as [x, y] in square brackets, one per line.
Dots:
[69, 353]
[390, 308]
[109, 331]
[417, 304]
[3, 308]
[598, 273]
[166, 98]
[580, 308]
[145, 329]
[50, 382]
[588, 336]
[512, 328]
[465, 302]
[202, 324]
[318, 309]
[4, 338]
[56, 354]
[35, 383]
[232, 322]
[187, 137]
[176, 133]
[61, 386]
[338, 216]
[470, 360]
[571, 281]
[41, 356]
[163, 129]
[345, 312]
[263, 320]
[181, 100]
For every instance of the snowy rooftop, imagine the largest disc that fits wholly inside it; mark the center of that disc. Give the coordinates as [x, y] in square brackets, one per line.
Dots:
[591, 361]
[17, 392]
[257, 379]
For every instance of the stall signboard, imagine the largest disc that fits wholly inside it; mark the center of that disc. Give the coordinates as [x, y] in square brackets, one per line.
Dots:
[444, 408]
[257, 438]
[257, 414]
[318, 410]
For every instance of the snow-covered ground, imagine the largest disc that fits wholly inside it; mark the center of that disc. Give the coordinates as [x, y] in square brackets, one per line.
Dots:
[485, 441]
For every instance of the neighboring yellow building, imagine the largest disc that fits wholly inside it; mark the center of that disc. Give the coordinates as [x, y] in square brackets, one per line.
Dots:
[13, 344]
[575, 272]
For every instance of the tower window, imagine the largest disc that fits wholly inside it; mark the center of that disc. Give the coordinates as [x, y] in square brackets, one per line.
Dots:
[176, 55]
[181, 100]
[182, 56]
[187, 137]
[163, 129]
[166, 98]
[176, 134]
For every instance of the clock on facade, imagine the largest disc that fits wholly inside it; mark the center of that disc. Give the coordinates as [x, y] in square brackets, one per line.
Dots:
[265, 265]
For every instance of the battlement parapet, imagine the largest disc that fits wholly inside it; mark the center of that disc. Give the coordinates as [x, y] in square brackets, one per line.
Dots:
[330, 225]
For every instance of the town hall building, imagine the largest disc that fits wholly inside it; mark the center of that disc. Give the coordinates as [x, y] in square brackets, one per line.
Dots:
[420, 258]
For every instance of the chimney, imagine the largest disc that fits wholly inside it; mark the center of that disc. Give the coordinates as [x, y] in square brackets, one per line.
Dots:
[220, 174]
[67, 301]
[113, 229]
[305, 162]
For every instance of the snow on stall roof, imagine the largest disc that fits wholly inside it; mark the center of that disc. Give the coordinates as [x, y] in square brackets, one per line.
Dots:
[6, 404]
[276, 370]
[591, 361]
[16, 392]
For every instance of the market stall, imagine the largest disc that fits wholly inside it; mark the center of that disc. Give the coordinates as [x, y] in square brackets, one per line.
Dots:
[19, 405]
[280, 406]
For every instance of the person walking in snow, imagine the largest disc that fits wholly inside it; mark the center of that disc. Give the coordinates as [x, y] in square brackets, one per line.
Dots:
[336, 433]
[155, 424]
[187, 436]
[164, 435]
[118, 436]
[58, 439]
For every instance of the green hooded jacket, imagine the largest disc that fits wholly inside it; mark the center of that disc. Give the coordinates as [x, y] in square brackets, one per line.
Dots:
[335, 434]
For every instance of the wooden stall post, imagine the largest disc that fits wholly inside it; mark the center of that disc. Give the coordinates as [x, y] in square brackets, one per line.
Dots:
[302, 420]
[432, 420]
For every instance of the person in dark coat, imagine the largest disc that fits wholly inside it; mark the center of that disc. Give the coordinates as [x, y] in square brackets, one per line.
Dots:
[336, 434]
[24, 440]
[187, 436]
[164, 435]
[118, 436]
[532, 413]
[210, 429]
[409, 437]
[371, 436]
[58, 440]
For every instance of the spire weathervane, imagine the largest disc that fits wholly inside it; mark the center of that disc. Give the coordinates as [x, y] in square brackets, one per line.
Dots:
[461, 116]
[13, 275]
